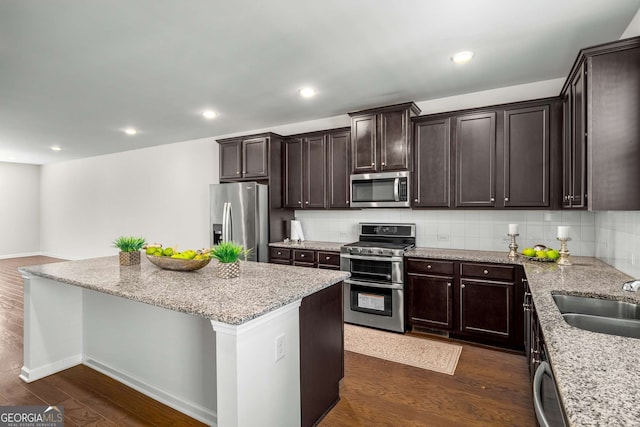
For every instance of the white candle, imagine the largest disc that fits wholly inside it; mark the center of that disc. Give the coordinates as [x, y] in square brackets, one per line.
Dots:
[513, 228]
[563, 232]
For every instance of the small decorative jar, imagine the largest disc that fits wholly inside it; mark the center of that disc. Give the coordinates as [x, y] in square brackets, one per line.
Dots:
[129, 258]
[228, 270]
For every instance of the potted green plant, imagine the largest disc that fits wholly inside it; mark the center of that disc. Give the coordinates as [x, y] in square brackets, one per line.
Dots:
[129, 249]
[228, 254]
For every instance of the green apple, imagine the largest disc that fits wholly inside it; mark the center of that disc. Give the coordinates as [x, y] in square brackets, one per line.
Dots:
[553, 254]
[541, 254]
[529, 252]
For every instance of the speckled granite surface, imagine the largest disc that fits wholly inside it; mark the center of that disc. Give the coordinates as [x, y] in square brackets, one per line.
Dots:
[598, 375]
[261, 287]
[309, 244]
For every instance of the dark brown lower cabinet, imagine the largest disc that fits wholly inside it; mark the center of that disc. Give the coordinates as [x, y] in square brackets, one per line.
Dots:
[321, 353]
[471, 301]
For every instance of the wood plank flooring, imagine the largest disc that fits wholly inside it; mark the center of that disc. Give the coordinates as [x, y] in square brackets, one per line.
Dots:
[489, 388]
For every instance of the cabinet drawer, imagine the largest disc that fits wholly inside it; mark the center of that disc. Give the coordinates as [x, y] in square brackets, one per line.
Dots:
[280, 261]
[328, 258]
[429, 266]
[488, 271]
[303, 264]
[307, 256]
[279, 253]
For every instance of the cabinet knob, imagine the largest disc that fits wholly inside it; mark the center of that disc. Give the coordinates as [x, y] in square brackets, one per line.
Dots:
[237, 171]
[279, 253]
[327, 258]
[486, 271]
[449, 284]
[415, 200]
[301, 255]
[462, 286]
[428, 266]
[347, 202]
[299, 202]
[493, 199]
[506, 199]
[244, 171]
[306, 203]
[382, 163]
[373, 164]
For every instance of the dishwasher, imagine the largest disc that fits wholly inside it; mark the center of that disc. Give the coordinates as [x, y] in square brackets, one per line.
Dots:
[546, 400]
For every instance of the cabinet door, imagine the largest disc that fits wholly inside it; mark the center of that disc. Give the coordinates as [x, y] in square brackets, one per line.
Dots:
[255, 158]
[526, 157]
[314, 172]
[567, 168]
[578, 141]
[486, 308]
[339, 168]
[364, 134]
[394, 140]
[430, 301]
[432, 176]
[476, 154]
[293, 173]
[231, 160]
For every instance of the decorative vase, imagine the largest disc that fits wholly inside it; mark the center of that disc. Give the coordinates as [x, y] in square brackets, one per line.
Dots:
[228, 270]
[129, 258]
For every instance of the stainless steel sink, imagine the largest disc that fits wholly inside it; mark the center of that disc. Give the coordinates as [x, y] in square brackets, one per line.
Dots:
[600, 315]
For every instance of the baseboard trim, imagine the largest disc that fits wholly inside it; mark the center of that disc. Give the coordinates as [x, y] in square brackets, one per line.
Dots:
[21, 255]
[29, 375]
[198, 412]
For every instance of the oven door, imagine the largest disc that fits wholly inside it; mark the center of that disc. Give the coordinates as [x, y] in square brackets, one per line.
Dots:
[387, 270]
[375, 305]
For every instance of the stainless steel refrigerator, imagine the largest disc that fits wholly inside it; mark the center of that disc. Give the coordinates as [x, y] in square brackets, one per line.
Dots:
[240, 214]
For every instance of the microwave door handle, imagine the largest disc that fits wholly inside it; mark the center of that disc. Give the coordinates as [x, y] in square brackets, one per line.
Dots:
[396, 189]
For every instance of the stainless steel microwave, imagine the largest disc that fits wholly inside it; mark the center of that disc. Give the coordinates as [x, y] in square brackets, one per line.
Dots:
[380, 190]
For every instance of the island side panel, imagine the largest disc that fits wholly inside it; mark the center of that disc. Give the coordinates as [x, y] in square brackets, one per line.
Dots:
[52, 327]
[165, 354]
[321, 352]
[255, 388]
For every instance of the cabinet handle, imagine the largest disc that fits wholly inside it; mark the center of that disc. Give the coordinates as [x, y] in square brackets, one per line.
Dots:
[449, 284]
[506, 199]
[462, 286]
[486, 271]
[428, 266]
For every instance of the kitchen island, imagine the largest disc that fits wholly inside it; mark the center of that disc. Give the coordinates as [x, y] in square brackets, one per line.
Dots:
[235, 352]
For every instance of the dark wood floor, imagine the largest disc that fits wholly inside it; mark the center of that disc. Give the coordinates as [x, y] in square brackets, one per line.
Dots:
[489, 388]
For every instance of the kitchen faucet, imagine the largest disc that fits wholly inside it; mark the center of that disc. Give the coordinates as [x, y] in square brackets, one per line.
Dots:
[631, 286]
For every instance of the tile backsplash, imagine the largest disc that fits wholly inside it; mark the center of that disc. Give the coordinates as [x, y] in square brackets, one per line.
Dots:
[618, 240]
[460, 229]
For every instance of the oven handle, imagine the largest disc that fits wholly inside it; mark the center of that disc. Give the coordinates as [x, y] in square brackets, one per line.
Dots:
[375, 285]
[373, 258]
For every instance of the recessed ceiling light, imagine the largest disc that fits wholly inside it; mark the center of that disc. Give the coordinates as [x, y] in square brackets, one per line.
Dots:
[462, 57]
[56, 148]
[208, 114]
[130, 131]
[307, 92]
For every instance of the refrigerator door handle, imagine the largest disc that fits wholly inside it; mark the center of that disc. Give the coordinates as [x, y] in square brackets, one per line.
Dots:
[226, 222]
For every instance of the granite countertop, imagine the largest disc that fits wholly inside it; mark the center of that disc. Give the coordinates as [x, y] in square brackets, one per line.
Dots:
[261, 287]
[597, 375]
[310, 245]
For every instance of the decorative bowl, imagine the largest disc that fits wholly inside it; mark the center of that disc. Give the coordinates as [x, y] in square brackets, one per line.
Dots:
[535, 258]
[177, 264]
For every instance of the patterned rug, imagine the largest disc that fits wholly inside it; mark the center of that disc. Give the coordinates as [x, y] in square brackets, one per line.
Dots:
[419, 352]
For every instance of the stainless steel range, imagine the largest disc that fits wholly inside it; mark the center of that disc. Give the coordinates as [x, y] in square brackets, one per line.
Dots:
[374, 294]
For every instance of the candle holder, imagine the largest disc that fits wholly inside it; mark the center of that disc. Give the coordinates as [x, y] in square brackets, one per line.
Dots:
[513, 246]
[564, 251]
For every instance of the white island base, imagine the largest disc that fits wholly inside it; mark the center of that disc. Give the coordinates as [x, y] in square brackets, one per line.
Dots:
[221, 374]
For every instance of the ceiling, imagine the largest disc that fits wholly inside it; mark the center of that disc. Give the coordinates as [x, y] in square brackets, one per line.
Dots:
[76, 73]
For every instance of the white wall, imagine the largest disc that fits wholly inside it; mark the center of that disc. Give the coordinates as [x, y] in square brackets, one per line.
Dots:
[160, 193]
[19, 209]
[634, 27]
[460, 229]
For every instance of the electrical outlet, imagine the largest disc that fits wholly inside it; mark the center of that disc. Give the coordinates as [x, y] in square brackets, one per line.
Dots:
[281, 348]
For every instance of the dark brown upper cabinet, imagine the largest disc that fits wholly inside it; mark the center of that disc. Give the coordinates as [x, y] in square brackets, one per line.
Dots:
[249, 158]
[526, 157]
[339, 168]
[602, 130]
[475, 142]
[432, 162]
[305, 173]
[381, 138]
